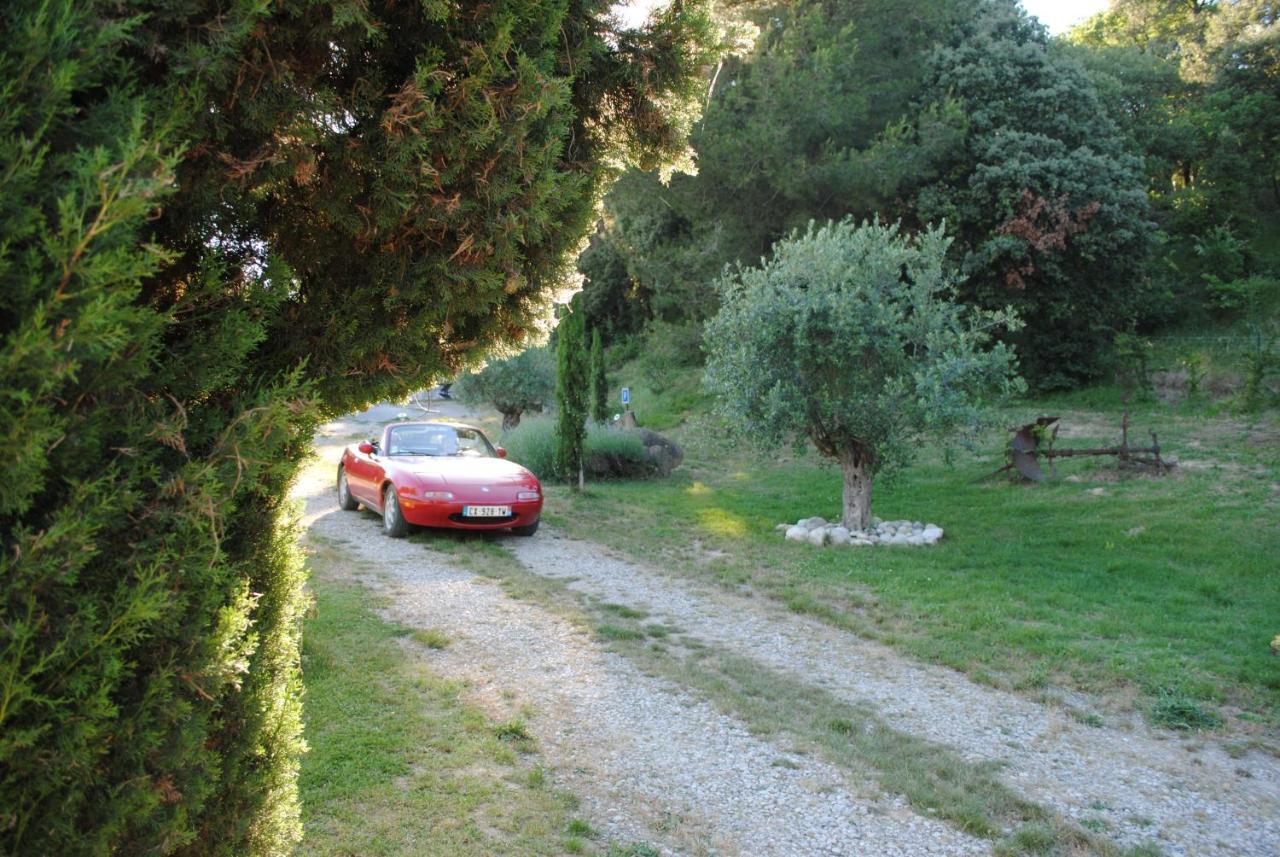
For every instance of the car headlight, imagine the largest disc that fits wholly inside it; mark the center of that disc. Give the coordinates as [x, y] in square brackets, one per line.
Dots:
[528, 495]
[437, 495]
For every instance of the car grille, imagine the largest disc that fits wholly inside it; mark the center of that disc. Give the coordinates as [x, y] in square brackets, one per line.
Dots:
[458, 518]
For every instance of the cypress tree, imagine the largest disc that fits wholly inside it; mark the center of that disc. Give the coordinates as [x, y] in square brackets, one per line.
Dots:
[223, 221]
[599, 380]
[572, 394]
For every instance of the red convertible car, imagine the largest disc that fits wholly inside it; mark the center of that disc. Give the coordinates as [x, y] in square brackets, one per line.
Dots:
[438, 474]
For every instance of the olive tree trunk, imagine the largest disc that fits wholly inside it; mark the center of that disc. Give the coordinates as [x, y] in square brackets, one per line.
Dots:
[857, 492]
[511, 419]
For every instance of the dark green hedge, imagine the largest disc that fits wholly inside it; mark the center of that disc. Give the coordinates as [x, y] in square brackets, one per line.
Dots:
[220, 221]
[149, 685]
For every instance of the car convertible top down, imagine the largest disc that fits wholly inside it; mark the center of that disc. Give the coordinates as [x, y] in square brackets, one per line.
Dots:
[439, 474]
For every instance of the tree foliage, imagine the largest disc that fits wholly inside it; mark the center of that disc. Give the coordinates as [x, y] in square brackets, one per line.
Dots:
[599, 380]
[816, 120]
[963, 113]
[850, 337]
[1196, 87]
[1048, 206]
[573, 393]
[220, 222]
[525, 382]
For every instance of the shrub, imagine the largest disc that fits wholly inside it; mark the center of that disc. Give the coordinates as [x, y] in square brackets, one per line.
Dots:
[1196, 365]
[615, 452]
[1175, 710]
[533, 445]
[150, 586]
[1131, 362]
[1256, 296]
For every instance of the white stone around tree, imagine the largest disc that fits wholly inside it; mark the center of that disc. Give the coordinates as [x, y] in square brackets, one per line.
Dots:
[817, 531]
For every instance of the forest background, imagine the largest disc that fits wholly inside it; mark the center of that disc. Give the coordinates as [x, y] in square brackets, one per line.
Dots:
[1114, 182]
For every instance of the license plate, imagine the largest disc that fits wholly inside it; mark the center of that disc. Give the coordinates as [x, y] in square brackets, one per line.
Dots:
[486, 511]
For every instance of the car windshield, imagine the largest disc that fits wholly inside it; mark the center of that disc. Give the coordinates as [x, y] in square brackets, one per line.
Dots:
[437, 440]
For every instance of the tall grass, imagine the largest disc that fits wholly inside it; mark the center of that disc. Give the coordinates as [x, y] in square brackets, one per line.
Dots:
[532, 444]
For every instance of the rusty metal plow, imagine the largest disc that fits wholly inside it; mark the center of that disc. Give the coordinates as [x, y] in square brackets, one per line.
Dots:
[1034, 442]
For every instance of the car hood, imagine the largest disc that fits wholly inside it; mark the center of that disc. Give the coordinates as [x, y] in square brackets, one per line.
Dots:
[469, 472]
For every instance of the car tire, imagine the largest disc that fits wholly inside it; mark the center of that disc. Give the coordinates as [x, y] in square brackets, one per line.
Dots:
[527, 531]
[346, 502]
[393, 522]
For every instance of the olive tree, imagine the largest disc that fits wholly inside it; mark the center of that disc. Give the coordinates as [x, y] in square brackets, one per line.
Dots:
[850, 336]
[525, 382]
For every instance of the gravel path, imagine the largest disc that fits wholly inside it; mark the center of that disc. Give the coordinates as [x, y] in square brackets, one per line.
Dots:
[650, 762]
[1192, 797]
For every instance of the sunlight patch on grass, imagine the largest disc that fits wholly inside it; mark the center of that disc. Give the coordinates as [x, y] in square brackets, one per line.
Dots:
[721, 522]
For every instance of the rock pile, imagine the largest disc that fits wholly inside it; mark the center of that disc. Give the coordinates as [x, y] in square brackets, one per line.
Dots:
[817, 531]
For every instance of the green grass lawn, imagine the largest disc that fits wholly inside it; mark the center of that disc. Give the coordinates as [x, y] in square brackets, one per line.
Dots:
[1158, 592]
[398, 765]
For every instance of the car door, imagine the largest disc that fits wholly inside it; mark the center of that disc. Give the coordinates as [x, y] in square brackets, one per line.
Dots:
[364, 475]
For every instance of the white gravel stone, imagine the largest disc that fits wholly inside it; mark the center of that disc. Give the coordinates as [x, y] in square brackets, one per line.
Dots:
[797, 533]
[818, 537]
[880, 532]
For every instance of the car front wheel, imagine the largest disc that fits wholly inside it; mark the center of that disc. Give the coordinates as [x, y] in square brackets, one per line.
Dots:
[346, 502]
[527, 531]
[393, 522]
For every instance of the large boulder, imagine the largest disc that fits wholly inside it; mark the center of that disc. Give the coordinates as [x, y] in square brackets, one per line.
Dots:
[663, 453]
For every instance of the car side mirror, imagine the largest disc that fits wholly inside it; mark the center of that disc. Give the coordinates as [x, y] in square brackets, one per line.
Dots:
[366, 447]
[502, 452]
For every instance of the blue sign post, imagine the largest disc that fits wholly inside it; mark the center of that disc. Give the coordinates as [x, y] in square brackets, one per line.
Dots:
[626, 395]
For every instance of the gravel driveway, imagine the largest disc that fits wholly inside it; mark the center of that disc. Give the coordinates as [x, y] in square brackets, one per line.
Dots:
[649, 762]
[1192, 796]
[652, 763]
